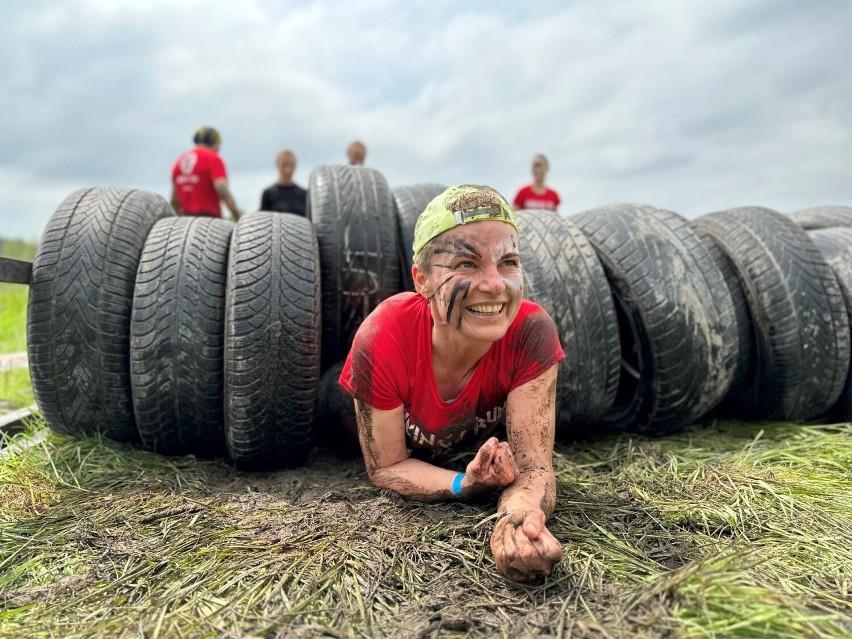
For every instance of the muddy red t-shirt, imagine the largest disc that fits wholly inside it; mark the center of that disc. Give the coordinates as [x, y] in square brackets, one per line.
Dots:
[193, 175]
[527, 198]
[390, 363]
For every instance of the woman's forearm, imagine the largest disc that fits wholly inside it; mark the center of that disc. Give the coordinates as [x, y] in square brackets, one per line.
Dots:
[534, 488]
[416, 480]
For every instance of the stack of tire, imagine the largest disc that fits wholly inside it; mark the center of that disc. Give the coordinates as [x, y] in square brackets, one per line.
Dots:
[193, 335]
[198, 336]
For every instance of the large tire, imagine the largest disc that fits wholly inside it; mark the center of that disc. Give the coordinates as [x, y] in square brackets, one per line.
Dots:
[823, 217]
[352, 210]
[678, 353]
[78, 317]
[742, 330]
[409, 203]
[177, 337]
[836, 247]
[272, 340]
[799, 317]
[563, 275]
[336, 426]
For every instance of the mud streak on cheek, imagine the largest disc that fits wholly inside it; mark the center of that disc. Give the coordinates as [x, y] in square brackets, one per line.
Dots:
[456, 289]
[466, 291]
[441, 285]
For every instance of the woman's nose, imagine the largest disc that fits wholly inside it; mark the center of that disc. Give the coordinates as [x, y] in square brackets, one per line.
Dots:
[491, 279]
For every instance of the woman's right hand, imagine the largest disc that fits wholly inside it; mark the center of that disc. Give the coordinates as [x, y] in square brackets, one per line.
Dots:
[493, 467]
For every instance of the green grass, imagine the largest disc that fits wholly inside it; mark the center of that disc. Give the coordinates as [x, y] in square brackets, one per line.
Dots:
[734, 530]
[13, 318]
[16, 391]
[15, 388]
[18, 249]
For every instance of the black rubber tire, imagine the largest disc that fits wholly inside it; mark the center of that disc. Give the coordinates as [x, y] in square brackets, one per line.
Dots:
[272, 340]
[409, 203]
[823, 217]
[78, 315]
[677, 347]
[177, 337]
[836, 247]
[563, 275]
[336, 427]
[352, 210]
[742, 331]
[801, 330]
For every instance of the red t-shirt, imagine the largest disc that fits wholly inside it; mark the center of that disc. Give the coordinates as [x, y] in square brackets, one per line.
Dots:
[390, 363]
[529, 199]
[193, 176]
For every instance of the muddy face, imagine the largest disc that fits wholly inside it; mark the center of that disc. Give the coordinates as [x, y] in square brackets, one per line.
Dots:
[475, 283]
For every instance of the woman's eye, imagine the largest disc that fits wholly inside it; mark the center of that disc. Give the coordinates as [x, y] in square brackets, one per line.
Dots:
[511, 263]
[466, 264]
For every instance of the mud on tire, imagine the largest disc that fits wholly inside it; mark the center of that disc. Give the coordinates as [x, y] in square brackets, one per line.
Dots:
[801, 328]
[352, 210]
[563, 275]
[677, 351]
[78, 315]
[836, 247]
[177, 337]
[272, 340]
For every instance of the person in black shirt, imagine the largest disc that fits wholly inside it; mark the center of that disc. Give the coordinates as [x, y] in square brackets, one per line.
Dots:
[284, 196]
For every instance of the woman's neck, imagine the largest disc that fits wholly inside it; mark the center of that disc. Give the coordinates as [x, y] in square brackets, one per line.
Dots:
[539, 187]
[454, 352]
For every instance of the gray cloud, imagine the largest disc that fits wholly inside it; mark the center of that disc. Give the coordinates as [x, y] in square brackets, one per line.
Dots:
[688, 106]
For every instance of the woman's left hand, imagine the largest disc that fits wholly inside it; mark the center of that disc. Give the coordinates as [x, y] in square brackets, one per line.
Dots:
[523, 547]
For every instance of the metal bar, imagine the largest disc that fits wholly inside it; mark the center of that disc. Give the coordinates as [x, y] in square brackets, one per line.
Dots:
[15, 271]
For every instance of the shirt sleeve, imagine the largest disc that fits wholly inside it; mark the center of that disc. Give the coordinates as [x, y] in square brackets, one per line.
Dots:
[264, 200]
[537, 347]
[519, 198]
[375, 362]
[217, 168]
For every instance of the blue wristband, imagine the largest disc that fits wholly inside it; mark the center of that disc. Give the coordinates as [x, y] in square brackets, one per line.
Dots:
[457, 487]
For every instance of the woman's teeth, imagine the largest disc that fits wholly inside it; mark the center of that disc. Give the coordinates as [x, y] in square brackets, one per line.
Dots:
[486, 309]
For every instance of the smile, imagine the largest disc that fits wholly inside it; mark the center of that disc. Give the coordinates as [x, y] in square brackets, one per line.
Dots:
[486, 309]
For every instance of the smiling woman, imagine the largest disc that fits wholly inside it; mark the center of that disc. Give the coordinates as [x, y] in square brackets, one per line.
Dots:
[438, 368]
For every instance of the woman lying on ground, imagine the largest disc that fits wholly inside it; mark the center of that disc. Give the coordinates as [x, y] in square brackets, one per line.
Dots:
[437, 368]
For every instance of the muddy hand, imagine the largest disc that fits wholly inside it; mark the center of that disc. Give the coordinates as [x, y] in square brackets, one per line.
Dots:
[493, 467]
[523, 547]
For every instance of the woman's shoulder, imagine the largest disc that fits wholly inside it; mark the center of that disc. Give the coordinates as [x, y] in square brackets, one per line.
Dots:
[532, 321]
[398, 310]
[528, 308]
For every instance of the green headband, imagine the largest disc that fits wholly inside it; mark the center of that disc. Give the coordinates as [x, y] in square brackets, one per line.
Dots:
[461, 204]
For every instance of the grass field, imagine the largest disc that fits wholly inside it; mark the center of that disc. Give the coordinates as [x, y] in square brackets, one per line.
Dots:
[732, 530]
[15, 388]
[13, 318]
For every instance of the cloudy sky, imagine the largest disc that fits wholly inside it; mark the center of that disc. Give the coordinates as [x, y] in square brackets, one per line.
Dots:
[690, 106]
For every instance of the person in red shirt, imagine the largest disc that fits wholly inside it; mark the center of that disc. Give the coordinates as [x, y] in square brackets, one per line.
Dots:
[436, 368]
[199, 179]
[537, 195]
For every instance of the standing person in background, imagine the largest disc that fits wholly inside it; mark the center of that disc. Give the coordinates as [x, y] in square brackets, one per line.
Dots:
[537, 195]
[357, 153]
[284, 196]
[199, 179]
